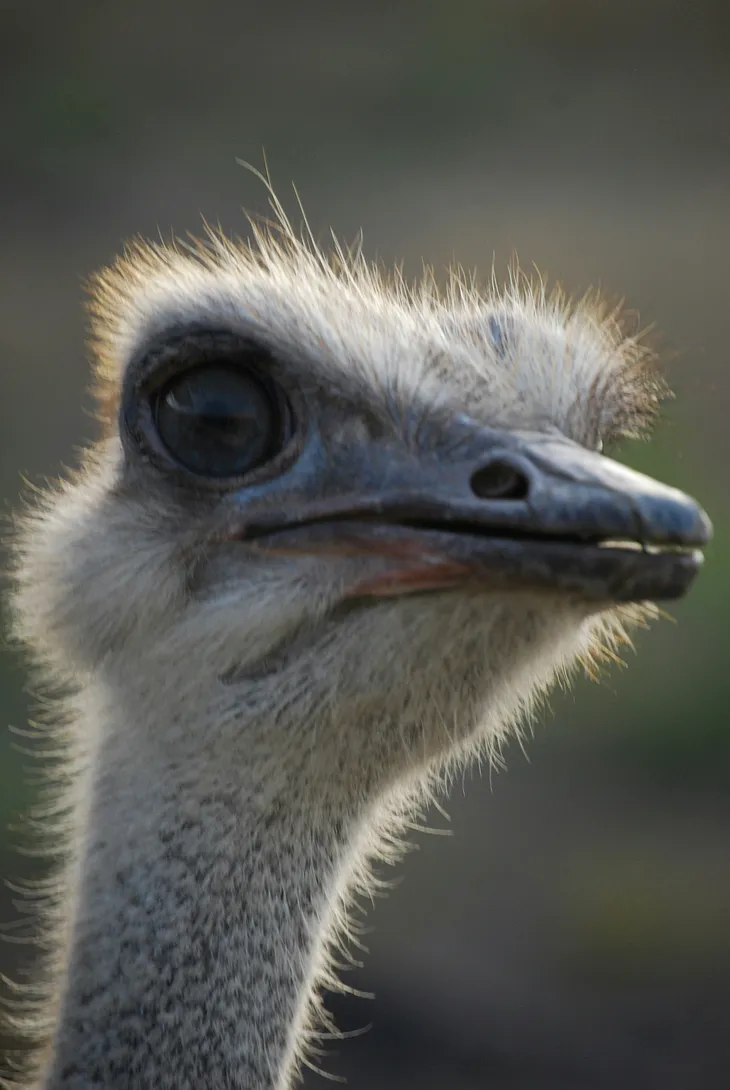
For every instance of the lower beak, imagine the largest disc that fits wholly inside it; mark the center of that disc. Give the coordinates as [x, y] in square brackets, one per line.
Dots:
[418, 560]
[523, 511]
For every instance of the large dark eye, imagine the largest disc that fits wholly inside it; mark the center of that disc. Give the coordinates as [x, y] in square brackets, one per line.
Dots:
[218, 420]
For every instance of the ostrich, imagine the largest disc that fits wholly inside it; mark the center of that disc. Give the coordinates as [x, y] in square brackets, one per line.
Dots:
[337, 535]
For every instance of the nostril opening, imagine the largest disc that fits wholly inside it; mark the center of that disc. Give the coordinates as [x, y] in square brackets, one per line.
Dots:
[500, 481]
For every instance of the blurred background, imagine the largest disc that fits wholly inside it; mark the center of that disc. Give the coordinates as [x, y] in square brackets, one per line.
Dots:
[575, 929]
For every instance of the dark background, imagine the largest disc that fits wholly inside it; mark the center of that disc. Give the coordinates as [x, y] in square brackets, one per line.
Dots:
[575, 929]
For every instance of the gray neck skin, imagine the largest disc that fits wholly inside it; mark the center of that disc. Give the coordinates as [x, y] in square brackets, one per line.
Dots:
[200, 920]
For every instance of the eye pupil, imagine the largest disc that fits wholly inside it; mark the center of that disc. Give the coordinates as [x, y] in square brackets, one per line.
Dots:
[218, 420]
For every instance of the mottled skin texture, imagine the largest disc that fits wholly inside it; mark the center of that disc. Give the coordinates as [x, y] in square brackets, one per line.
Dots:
[242, 746]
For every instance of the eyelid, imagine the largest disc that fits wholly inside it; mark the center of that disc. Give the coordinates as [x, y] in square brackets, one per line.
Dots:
[175, 352]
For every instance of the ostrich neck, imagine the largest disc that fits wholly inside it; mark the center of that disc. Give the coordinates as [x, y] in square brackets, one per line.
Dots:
[200, 924]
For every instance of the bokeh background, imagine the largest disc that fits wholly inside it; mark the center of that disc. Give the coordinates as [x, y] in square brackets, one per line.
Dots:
[575, 929]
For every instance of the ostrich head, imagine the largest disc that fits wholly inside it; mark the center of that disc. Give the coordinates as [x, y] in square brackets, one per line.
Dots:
[321, 490]
[338, 533]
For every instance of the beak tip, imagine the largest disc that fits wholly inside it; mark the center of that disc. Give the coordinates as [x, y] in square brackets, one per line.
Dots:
[678, 520]
[699, 529]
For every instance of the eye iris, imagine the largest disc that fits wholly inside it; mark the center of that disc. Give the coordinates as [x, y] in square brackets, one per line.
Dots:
[217, 421]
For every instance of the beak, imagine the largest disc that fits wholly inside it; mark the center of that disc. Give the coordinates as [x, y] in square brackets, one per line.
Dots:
[509, 510]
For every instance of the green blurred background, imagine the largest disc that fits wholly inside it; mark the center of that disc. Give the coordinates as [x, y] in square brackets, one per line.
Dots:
[575, 930]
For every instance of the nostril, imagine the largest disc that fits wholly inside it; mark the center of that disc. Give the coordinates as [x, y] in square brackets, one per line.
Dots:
[500, 481]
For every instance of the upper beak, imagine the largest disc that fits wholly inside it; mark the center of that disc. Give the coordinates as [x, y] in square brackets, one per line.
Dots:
[508, 509]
